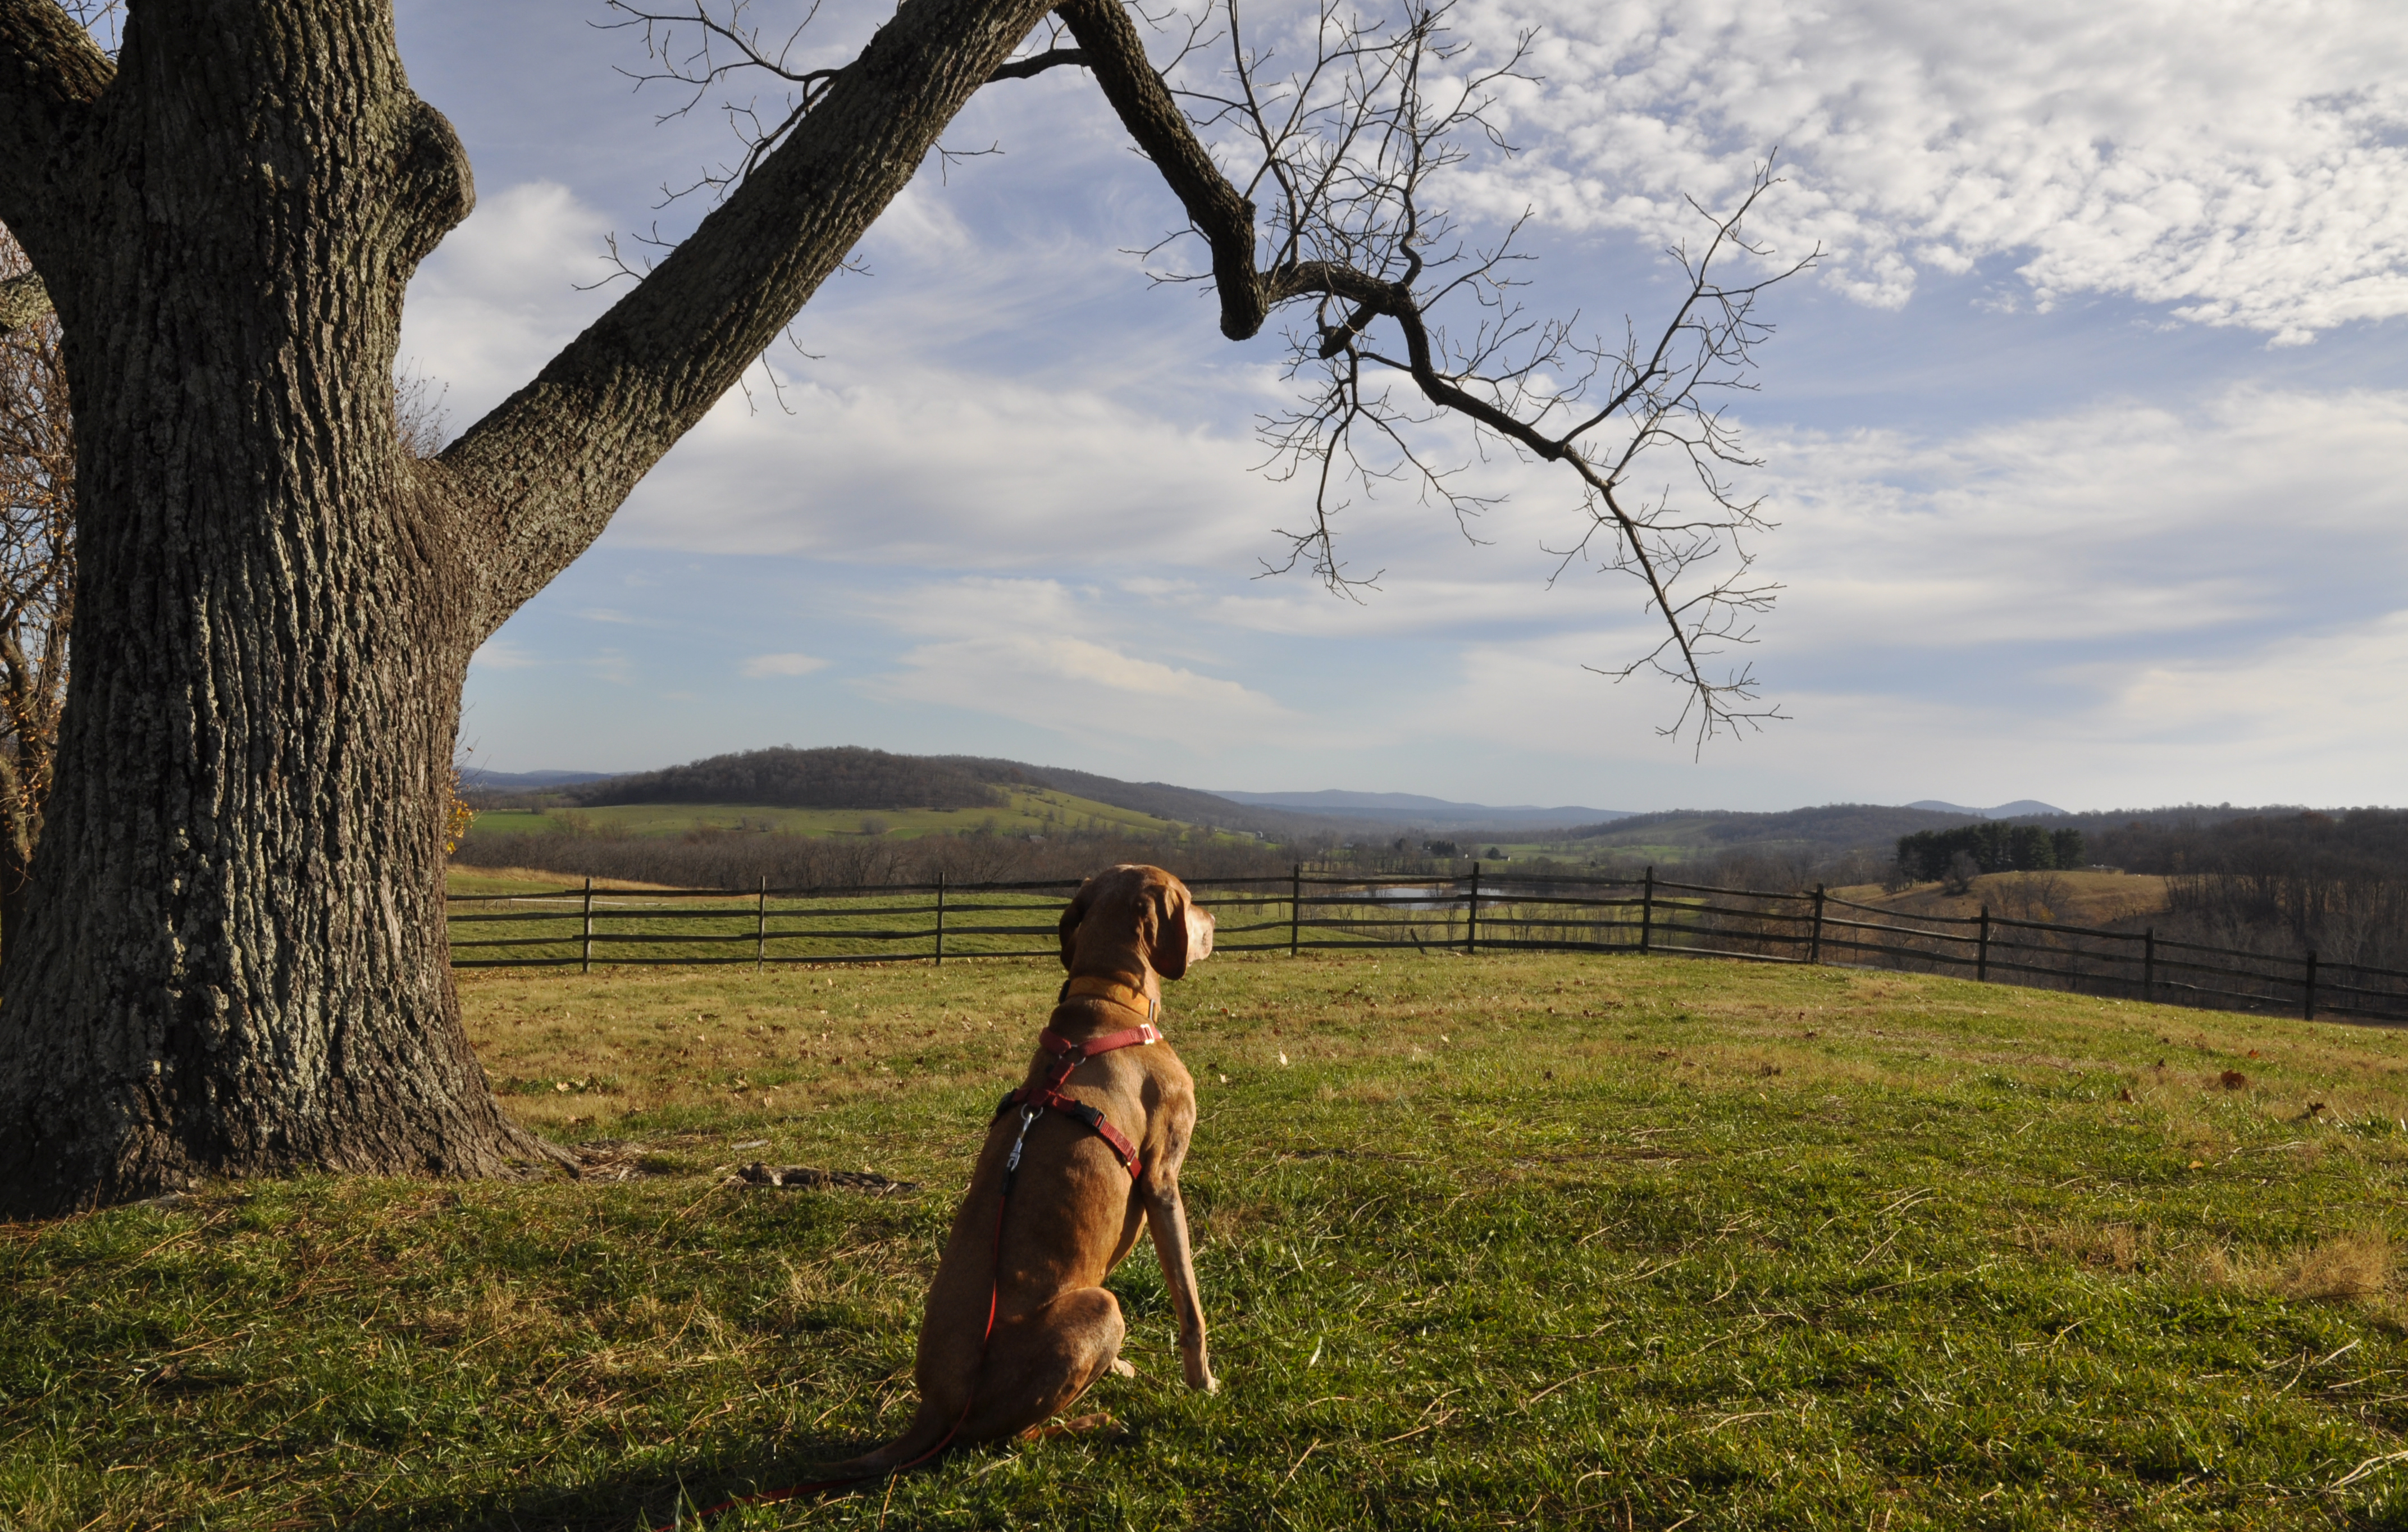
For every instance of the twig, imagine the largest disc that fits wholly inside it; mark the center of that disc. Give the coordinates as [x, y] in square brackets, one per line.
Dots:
[1552, 1387]
[2372, 1465]
[1293, 1466]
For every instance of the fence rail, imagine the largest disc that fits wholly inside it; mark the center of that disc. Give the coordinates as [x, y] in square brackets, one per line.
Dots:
[1312, 911]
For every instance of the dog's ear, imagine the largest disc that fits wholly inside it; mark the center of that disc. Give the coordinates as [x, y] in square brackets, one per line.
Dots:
[1183, 934]
[1072, 915]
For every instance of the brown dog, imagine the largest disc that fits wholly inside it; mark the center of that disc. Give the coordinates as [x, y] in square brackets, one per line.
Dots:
[1074, 1205]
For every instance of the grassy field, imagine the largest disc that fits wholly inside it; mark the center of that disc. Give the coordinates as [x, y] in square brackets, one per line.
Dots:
[1513, 1240]
[1025, 811]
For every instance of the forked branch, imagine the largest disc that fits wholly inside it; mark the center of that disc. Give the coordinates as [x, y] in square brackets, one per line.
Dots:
[1344, 149]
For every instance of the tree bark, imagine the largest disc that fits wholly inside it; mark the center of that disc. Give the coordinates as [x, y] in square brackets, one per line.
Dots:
[233, 959]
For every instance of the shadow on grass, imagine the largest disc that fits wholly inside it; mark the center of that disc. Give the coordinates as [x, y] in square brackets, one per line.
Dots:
[629, 1497]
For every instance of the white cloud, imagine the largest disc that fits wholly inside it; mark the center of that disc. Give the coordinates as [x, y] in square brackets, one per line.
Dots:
[761, 667]
[498, 297]
[2326, 694]
[2125, 527]
[921, 464]
[503, 654]
[2121, 604]
[2243, 164]
[1041, 653]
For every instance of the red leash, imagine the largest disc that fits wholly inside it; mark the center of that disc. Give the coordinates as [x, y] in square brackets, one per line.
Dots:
[1033, 1102]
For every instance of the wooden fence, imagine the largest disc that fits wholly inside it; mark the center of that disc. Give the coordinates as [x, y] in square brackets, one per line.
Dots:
[1312, 911]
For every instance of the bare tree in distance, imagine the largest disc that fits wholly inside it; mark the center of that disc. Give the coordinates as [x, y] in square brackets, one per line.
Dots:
[1402, 321]
[36, 568]
[231, 957]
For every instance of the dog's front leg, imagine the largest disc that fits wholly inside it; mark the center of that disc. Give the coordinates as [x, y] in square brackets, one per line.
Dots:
[1166, 1217]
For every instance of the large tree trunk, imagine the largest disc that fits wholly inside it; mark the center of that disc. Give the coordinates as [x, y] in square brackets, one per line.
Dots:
[233, 960]
[234, 956]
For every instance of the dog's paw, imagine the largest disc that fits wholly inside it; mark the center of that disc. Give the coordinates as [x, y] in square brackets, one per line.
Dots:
[1121, 1366]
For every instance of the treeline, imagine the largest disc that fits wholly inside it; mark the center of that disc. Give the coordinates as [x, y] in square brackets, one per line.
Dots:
[840, 777]
[2359, 845]
[2334, 885]
[1992, 845]
[742, 859]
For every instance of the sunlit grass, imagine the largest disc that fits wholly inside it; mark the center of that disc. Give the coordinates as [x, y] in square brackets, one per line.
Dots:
[1539, 1241]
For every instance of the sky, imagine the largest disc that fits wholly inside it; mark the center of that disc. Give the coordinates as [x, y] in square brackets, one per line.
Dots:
[2086, 441]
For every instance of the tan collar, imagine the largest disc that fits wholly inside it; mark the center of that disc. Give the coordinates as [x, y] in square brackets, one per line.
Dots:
[1097, 987]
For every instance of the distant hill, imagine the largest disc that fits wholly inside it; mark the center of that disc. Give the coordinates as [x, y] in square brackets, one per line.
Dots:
[1705, 832]
[1412, 808]
[841, 777]
[1163, 800]
[477, 779]
[2020, 808]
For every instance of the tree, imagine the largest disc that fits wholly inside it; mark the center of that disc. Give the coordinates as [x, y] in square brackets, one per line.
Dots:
[38, 560]
[37, 566]
[1993, 846]
[232, 955]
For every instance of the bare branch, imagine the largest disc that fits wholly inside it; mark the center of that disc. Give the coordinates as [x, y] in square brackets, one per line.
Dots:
[698, 50]
[1345, 146]
[702, 46]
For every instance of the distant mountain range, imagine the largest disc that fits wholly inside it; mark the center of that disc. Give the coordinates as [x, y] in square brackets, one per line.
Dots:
[1274, 813]
[850, 777]
[2020, 808]
[1415, 810]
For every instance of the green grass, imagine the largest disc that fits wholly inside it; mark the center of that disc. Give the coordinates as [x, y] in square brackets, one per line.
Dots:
[1024, 811]
[1530, 1240]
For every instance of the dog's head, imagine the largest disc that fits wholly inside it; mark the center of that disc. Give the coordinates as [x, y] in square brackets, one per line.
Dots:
[1138, 908]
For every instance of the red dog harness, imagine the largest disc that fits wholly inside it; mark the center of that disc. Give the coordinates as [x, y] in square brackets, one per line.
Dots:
[1035, 1101]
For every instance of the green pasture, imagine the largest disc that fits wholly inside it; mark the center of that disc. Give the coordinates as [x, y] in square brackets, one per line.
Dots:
[1522, 1240]
[1024, 811]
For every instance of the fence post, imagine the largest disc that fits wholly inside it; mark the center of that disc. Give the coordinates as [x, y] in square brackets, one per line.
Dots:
[761, 928]
[941, 920]
[1814, 952]
[1648, 913]
[2149, 964]
[2308, 1004]
[1981, 956]
[588, 966]
[1295, 906]
[1472, 915]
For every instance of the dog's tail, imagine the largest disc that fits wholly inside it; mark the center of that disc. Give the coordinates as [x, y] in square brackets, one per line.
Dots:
[930, 1433]
[918, 1445]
